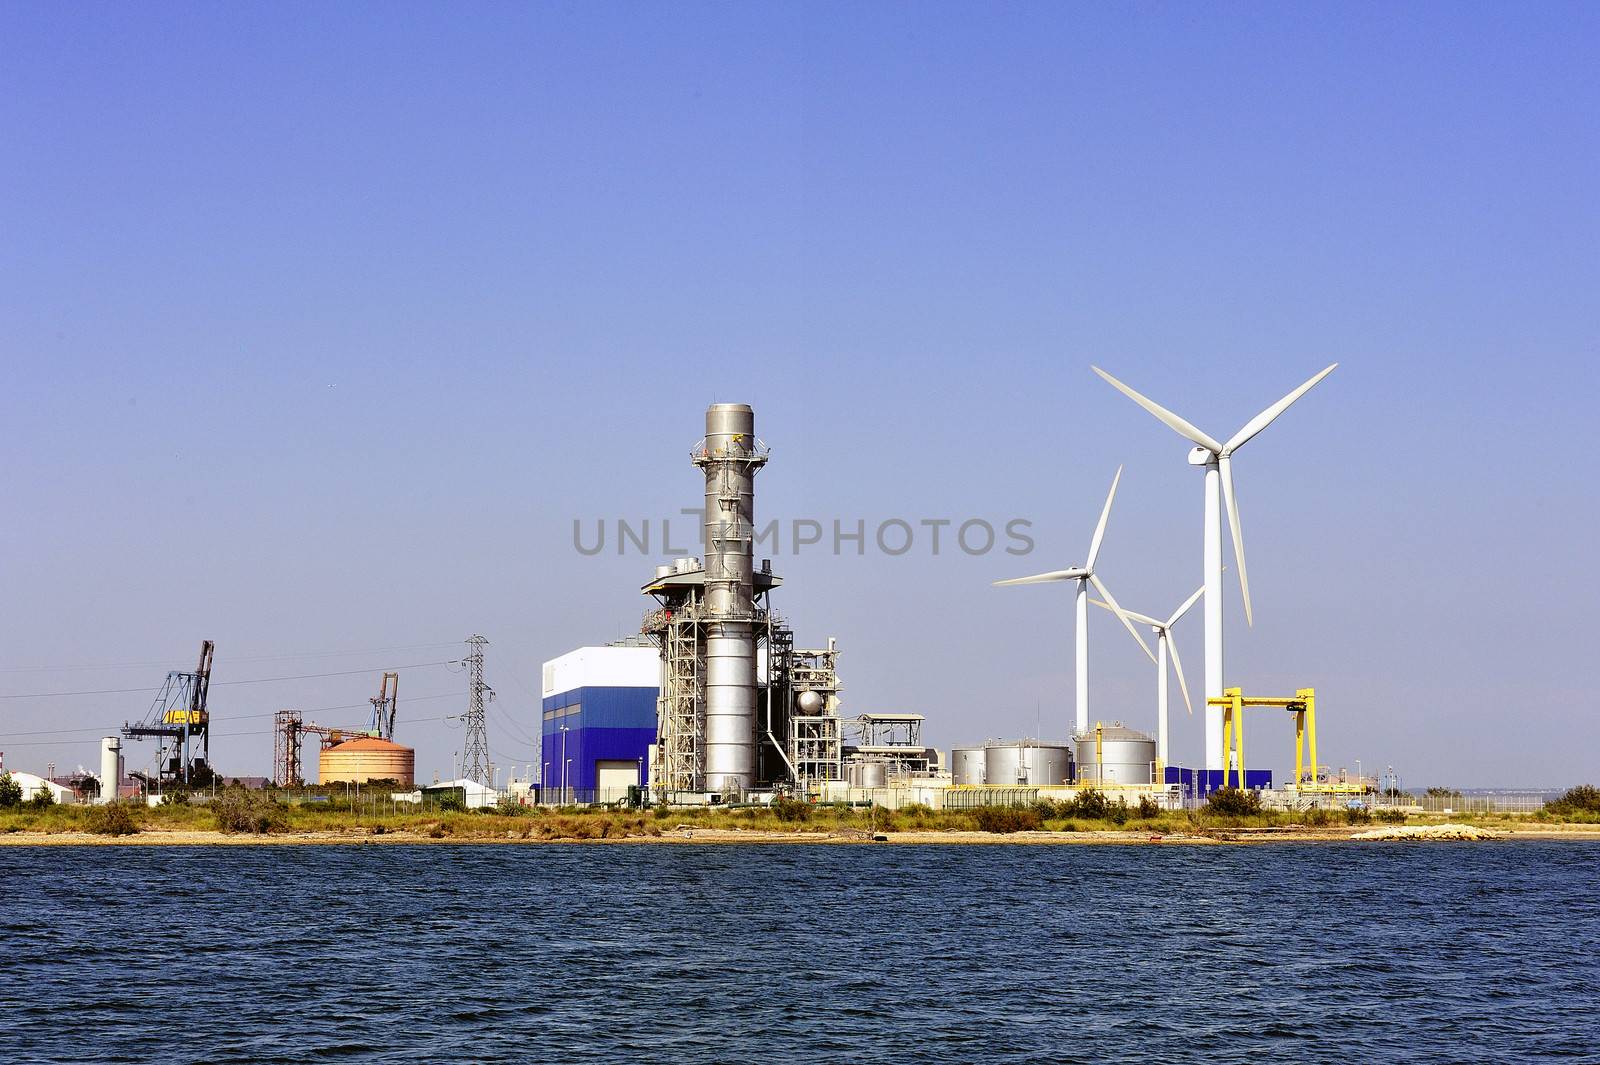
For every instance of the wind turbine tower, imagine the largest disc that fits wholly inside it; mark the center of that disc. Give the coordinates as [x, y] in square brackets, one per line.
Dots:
[1084, 576]
[1216, 459]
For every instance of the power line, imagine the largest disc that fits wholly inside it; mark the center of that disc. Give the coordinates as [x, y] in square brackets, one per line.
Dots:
[404, 720]
[216, 683]
[239, 717]
[231, 658]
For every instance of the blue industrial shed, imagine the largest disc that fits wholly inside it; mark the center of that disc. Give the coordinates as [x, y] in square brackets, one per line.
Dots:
[599, 722]
[1198, 783]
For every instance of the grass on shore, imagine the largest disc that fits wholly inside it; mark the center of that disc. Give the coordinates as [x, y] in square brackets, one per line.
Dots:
[238, 811]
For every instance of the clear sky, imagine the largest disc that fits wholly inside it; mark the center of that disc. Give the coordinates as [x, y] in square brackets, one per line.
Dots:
[321, 324]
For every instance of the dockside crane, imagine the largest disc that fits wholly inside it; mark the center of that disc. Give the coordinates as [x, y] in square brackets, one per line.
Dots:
[383, 706]
[180, 722]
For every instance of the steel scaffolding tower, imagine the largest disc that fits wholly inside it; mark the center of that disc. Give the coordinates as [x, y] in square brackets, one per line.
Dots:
[816, 741]
[286, 732]
[475, 752]
[682, 737]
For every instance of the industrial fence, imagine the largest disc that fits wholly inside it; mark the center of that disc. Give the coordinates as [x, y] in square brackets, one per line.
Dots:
[1510, 802]
[1507, 802]
[973, 798]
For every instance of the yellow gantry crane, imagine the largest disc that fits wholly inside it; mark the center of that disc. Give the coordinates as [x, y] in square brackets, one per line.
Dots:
[1303, 705]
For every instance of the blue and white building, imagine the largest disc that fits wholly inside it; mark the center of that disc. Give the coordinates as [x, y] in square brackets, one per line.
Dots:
[599, 722]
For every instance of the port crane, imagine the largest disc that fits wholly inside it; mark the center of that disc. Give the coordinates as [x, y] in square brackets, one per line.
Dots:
[180, 723]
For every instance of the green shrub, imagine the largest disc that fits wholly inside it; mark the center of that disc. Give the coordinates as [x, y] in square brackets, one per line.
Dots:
[453, 801]
[42, 799]
[786, 809]
[1585, 798]
[1391, 817]
[1090, 805]
[1008, 819]
[112, 819]
[1118, 812]
[10, 792]
[1315, 816]
[238, 810]
[1234, 802]
[1148, 808]
[1358, 815]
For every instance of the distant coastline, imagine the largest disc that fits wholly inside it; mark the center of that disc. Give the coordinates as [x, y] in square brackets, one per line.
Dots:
[714, 836]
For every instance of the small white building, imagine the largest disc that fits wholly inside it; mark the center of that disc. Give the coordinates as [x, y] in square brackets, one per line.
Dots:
[30, 783]
[478, 796]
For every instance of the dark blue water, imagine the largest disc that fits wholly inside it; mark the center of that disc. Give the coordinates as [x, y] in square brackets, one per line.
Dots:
[1335, 952]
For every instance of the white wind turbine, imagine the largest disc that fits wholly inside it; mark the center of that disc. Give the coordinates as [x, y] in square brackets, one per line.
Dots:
[1164, 642]
[1216, 458]
[1085, 575]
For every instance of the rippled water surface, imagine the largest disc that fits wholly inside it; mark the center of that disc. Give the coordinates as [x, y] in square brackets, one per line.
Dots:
[1486, 952]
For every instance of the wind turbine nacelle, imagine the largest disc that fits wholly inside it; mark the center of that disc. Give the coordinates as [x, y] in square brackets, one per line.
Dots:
[1201, 457]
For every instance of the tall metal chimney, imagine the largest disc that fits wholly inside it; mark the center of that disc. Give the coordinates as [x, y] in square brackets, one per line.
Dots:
[730, 456]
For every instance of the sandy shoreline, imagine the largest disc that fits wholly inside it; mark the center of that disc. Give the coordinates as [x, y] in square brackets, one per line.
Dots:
[702, 836]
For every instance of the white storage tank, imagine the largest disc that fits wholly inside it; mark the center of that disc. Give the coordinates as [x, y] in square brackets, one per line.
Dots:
[1026, 762]
[1128, 756]
[867, 774]
[966, 765]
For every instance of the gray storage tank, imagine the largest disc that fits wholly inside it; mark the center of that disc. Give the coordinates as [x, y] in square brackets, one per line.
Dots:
[1026, 762]
[966, 765]
[1126, 756]
[867, 774]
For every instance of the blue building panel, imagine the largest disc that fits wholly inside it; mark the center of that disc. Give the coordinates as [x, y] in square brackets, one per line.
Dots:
[1202, 782]
[601, 724]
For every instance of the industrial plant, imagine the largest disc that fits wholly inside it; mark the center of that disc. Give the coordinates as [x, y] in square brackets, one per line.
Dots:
[714, 701]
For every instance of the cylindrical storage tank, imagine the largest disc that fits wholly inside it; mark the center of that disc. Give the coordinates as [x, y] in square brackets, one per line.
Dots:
[664, 570]
[366, 758]
[1027, 762]
[730, 459]
[966, 765]
[868, 774]
[110, 768]
[1128, 756]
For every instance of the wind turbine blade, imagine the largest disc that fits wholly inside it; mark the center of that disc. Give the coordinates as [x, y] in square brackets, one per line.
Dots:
[1043, 578]
[1225, 467]
[1177, 666]
[1134, 614]
[1100, 529]
[1122, 615]
[1187, 603]
[1171, 420]
[1268, 416]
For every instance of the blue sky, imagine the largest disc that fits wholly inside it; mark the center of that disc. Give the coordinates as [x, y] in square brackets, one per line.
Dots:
[322, 324]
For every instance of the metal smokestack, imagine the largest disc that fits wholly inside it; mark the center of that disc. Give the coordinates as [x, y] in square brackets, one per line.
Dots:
[730, 457]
